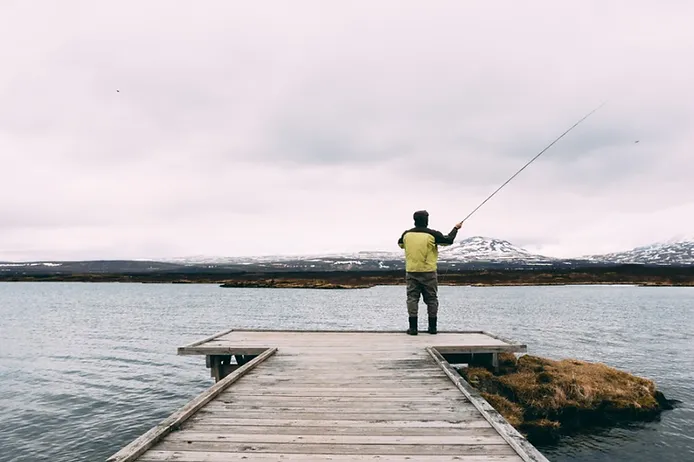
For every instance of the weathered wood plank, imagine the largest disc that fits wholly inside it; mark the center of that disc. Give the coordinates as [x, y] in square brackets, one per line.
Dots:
[349, 395]
[191, 436]
[452, 349]
[376, 375]
[272, 399]
[412, 387]
[144, 442]
[226, 350]
[300, 448]
[458, 416]
[359, 369]
[210, 338]
[415, 384]
[470, 421]
[191, 456]
[503, 339]
[366, 409]
[252, 389]
[355, 406]
[219, 425]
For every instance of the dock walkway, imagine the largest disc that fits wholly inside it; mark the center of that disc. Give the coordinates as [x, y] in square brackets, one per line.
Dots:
[338, 396]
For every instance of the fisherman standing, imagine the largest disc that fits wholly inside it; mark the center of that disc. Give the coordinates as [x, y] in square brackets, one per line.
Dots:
[421, 254]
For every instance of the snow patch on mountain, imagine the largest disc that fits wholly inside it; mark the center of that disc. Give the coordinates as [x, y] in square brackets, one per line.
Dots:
[480, 248]
[677, 251]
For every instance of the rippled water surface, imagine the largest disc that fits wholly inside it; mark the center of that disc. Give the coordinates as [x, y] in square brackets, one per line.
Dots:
[86, 368]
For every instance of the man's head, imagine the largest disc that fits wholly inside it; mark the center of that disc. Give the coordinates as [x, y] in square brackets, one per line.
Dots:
[421, 218]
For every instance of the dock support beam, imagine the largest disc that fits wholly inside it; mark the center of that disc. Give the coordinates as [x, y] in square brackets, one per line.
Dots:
[487, 360]
[221, 365]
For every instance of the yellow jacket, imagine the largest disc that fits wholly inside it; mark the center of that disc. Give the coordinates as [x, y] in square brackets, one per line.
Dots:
[421, 248]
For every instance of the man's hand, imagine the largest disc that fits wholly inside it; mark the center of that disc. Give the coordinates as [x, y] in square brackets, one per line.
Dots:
[459, 225]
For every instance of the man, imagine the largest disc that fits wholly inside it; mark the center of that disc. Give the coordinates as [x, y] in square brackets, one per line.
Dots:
[421, 254]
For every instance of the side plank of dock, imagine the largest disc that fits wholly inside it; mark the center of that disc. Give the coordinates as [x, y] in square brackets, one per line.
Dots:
[338, 396]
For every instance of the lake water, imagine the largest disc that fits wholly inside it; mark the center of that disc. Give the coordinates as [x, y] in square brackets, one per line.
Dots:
[85, 368]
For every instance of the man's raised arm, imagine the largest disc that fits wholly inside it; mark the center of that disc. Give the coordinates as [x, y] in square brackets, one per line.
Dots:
[448, 239]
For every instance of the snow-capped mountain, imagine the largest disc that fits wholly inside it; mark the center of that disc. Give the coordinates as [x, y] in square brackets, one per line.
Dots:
[673, 252]
[476, 249]
[487, 249]
[472, 253]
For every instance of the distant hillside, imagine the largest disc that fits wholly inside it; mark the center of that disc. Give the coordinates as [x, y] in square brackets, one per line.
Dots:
[473, 253]
[663, 253]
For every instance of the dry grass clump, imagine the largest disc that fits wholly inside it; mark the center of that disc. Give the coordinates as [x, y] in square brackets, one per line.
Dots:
[542, 397]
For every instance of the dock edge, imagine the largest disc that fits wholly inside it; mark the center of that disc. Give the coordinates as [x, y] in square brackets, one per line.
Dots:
[139, 446]
[520, 444]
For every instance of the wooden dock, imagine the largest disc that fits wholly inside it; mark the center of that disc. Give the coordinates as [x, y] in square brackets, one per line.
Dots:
[337, 396]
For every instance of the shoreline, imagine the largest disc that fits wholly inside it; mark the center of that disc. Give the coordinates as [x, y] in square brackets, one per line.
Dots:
[626, 275]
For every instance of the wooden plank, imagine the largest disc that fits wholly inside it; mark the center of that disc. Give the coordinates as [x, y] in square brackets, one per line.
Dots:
[468, 422]
[211, 337]
[251, 389]
[293, 368]
[357, 354]
[194, 456]
[346, 337]
[338, 331]
[300, 448]
[358, 406]
[458, 416]
[453, 349]
[341, 380]
[414, 384]
[357, 376]
[523, 448]
[384, 408]
[383, 394]
[190, 437]
[503, 339]
[239, 350]
[342, 369]
[357, 369]
[220, 426]
[144, 442]
[275, 399]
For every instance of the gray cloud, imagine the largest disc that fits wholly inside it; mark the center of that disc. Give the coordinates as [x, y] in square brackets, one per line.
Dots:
[306, 127]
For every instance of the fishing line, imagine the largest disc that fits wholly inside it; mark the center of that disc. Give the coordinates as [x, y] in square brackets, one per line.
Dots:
[533, 160]
[526, 165]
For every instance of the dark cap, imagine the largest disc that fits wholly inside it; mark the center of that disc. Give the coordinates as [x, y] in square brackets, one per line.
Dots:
[421, 218]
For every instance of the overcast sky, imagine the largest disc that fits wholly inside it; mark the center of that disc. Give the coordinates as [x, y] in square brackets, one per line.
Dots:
[255, 128]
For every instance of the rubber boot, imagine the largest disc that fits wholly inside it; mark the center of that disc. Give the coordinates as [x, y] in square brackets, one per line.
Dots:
[432, 325]
[413, 326]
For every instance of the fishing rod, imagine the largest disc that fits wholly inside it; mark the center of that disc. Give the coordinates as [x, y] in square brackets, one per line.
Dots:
[532, 160]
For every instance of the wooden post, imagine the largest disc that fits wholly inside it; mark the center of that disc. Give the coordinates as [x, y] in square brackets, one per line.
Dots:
[220, 366]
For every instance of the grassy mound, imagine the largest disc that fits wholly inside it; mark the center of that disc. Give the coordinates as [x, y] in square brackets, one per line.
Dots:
[543, 398]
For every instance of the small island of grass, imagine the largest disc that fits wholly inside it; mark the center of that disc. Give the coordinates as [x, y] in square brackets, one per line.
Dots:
[543, 398]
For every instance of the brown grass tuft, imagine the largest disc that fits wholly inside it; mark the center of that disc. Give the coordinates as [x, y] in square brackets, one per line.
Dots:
[540, 396]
